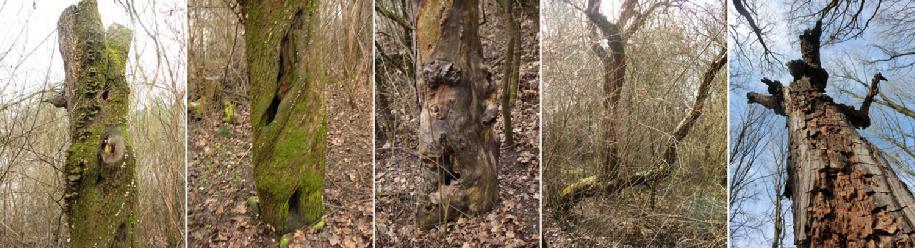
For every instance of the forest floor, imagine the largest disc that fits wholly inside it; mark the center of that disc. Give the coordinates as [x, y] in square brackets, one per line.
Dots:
[220, 180]
[513, 223]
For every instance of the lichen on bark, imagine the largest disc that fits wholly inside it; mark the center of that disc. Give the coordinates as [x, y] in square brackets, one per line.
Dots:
[288, 112]
[100, 198]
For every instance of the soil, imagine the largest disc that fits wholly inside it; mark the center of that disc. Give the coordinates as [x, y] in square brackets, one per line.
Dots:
[220, 179]
[515, 222]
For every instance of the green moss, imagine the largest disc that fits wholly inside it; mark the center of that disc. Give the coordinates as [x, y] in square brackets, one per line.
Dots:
[105, 199]
[289, 150]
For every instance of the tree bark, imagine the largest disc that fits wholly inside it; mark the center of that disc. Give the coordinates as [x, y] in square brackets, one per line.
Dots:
[288, 112]
[101, 187]
[457, 111]
[510, 66]
[844, 193]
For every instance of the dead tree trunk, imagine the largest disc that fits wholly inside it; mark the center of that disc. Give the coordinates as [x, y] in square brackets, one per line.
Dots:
[288, 112]
[101, 187]
[458, 109]
[844, 192]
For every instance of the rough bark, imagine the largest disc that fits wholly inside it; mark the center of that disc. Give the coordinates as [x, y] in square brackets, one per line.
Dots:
[844, 193]
[288, 112]
[101, 187]
[458, 110]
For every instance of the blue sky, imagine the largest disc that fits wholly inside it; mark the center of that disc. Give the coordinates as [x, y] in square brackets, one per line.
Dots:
[747, 69]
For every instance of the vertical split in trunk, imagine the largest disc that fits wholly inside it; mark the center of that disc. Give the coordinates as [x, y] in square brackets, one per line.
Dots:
[843, 191]
[458, 109]
[288, 112]
[101, 193]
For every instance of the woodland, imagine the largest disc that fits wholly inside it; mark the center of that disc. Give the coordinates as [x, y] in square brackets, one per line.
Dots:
[92, 123]
[477, 185]
[821, 124]
[269, 96]
[634, 133]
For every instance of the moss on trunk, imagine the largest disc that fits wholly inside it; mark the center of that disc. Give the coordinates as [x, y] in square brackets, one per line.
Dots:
[288, 112]
[101, 193]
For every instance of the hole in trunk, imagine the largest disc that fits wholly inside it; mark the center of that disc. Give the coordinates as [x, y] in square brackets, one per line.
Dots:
[105, 94]
[450, 177]
[270, 114]
[294, 202]
[99, 179]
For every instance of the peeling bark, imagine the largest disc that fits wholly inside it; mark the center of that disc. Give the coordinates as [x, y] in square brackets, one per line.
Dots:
[458, 109]
[100, 193]
[844, 192]
[288, 112]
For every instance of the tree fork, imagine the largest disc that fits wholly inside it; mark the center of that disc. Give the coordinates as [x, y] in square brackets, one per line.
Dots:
[844, 192]
[593, 185]
[288, 112]
[458, 108]
[101, 187]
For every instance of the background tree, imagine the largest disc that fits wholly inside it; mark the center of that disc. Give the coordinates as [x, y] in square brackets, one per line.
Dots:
[511, 71]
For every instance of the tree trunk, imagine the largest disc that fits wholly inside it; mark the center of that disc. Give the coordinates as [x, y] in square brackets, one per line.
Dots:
[288, 112]
[844, 192]
[510, 66]
[457, 111]
[101, 188]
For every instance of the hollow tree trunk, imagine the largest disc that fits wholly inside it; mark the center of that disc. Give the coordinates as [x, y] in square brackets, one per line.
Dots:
[101, 187]
[458, 109]
[844, 192]
[288, 112]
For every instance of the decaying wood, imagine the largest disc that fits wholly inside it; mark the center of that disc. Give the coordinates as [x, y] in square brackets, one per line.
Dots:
[844, 193]
[458, 109]
[100, 193]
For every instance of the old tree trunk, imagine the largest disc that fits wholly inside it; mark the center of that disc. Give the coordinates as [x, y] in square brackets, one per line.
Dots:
[288, 112]
[458, 109]
[101, 187]
[844, 193]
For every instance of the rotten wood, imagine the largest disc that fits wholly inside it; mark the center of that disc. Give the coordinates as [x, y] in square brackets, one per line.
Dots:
[844, 193]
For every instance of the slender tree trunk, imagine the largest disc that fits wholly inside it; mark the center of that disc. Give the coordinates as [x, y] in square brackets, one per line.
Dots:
[101, 191]
[510, 67]
[844, 192]
[458, 110]
[288, 112]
